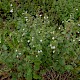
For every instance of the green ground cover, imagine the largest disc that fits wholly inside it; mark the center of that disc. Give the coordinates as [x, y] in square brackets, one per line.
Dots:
[40, 39]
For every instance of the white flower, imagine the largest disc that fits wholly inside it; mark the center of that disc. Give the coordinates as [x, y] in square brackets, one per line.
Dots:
[59, 28]
[53, 38]
[11, 10]
[53, 51]
[41, 40]
[36, 55]
[62, 21]
[28, 41]
[39, 31]
[52, 47]
[73, 40]
[32, 38]
[19, 53]
[78, 32]
[40, 15]
[25, 11]
[78, 24]
[79, 40]
[16, 50]
[26, 19]
[23, 29]
[39, 51]
[52, 32]
[23, 34]
[76, 9]
[11, 5]
[47, 17]
[44, 17]
[17, 56]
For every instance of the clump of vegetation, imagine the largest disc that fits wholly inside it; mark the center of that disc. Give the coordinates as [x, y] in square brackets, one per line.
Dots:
[39, 40]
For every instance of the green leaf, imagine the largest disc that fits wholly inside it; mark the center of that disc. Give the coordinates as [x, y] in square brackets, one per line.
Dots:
[36, 66]
[14, 78]
[62, 62]
[36, 76]
[4, 47]
[20, 68]
[42, 72]
[68, 67]
[29, 72]
[20, 75]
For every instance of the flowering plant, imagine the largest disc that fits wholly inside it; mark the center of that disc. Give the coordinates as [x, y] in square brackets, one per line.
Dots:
[30, 45]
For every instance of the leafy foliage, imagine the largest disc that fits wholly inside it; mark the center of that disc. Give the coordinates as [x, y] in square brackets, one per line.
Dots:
[40, 35]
